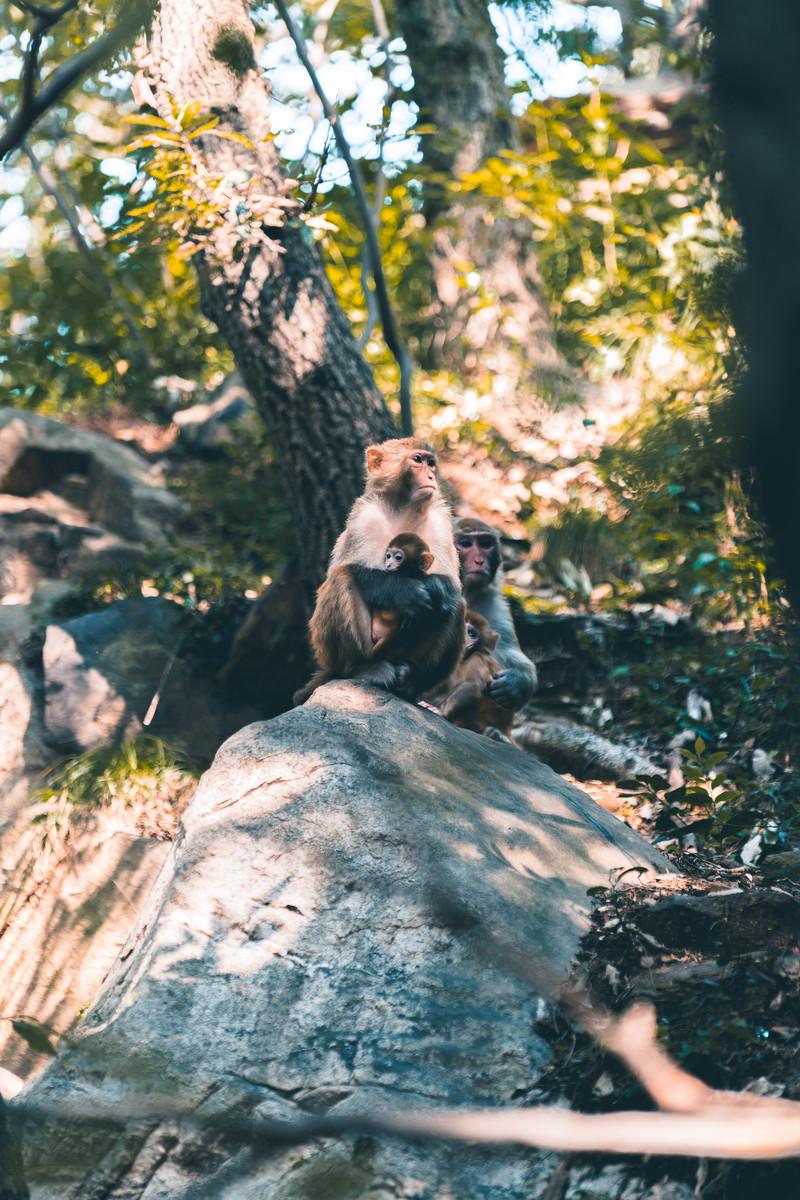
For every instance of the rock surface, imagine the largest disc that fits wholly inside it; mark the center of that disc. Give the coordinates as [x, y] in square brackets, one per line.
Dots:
[290, 959]
[110, 483]
[206, 428]
[101, 670]
[60, 938]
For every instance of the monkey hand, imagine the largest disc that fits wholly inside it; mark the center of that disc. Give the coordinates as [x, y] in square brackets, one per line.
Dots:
[386, 589]
[443, 594]
[510, 688]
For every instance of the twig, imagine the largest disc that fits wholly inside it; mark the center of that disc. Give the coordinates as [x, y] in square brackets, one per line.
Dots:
[165, 674]
[758, 1129]
[373, 315]
[33, 104]
[391, 332]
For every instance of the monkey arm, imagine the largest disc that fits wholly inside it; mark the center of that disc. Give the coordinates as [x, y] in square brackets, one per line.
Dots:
[514, 684]
[445, 596]
[462, 696]
[340, 627]
[387, 589]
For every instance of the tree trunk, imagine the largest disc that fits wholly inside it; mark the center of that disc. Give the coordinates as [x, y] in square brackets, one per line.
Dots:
[756, 50]
[460, 90]
[270, 299]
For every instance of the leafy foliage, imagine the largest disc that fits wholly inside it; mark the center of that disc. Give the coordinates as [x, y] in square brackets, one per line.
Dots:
[142, 774]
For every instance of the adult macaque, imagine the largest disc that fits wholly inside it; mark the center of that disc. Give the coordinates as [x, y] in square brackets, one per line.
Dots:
[463, 697]
[401, 496]
[478, 549]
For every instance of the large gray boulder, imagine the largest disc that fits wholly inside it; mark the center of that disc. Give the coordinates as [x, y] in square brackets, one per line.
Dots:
[111, 484]
[102, 670]
[293, 958]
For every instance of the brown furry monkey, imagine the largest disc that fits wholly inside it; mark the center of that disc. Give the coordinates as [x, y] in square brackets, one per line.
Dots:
[478, 549]
[401, 495]
[463, 697]
[408, 555]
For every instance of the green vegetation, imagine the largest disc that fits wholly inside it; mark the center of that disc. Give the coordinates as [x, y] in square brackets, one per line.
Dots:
[142, 776]
[638, 252]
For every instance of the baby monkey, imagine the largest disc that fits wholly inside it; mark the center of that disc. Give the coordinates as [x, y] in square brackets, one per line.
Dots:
[463, 698]
[408, 555]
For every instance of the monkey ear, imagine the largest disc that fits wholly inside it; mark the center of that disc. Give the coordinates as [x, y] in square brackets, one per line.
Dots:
[425, 561]
[374, 459]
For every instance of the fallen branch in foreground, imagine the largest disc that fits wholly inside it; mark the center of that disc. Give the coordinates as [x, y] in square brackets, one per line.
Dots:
[743, 1127]
[695, 1121]
[700, 1122]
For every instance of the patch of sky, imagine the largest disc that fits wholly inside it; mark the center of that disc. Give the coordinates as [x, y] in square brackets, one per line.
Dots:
[14, 236]
[525, 34]
[534, 69]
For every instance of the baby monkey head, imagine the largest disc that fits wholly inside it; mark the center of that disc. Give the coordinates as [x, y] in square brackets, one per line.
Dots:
[479, 634]
[408, 554]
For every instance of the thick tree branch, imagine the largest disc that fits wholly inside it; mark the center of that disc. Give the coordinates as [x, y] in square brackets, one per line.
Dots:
[391, 331]
[32, 104]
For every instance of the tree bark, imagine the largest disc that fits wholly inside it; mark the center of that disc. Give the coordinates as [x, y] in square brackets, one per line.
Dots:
[272, 301]
[756, 50]
[270, 298]
[459, 87]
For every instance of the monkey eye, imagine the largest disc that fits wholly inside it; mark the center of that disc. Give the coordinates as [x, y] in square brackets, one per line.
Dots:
[485, 542]
[464, 543]
[417, 458]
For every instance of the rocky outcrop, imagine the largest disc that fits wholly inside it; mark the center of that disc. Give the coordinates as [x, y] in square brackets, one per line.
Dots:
[110, 484]
[62, 934]
[102, 670]
[204, 429]
[298, 955]
[72, 504]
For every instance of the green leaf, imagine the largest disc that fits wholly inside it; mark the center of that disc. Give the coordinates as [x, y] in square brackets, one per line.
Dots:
[145, 119]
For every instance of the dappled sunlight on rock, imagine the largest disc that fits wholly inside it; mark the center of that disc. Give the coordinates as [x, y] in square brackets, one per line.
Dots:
[323, 926]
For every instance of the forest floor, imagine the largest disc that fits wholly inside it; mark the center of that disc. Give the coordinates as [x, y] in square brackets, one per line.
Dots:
[716, 951]
[685, 716]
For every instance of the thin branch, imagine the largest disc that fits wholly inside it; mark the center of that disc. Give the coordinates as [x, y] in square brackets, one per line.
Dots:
[391, 332]
[32, 104]
[756, 1129]
[382, 26]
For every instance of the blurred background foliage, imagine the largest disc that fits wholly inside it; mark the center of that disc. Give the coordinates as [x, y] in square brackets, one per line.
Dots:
[617, 168]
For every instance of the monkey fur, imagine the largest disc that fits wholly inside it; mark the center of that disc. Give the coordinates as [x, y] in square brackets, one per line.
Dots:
[463, 697]
[478, 548]
[401, 499]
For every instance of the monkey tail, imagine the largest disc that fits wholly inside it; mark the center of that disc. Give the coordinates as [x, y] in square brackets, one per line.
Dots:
[316, 681]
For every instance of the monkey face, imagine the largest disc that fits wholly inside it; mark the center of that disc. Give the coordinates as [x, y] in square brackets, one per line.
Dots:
[421, 474]
[473, 638]
[404, 470]
[478, 554]
[480, 635]
[393, 559]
